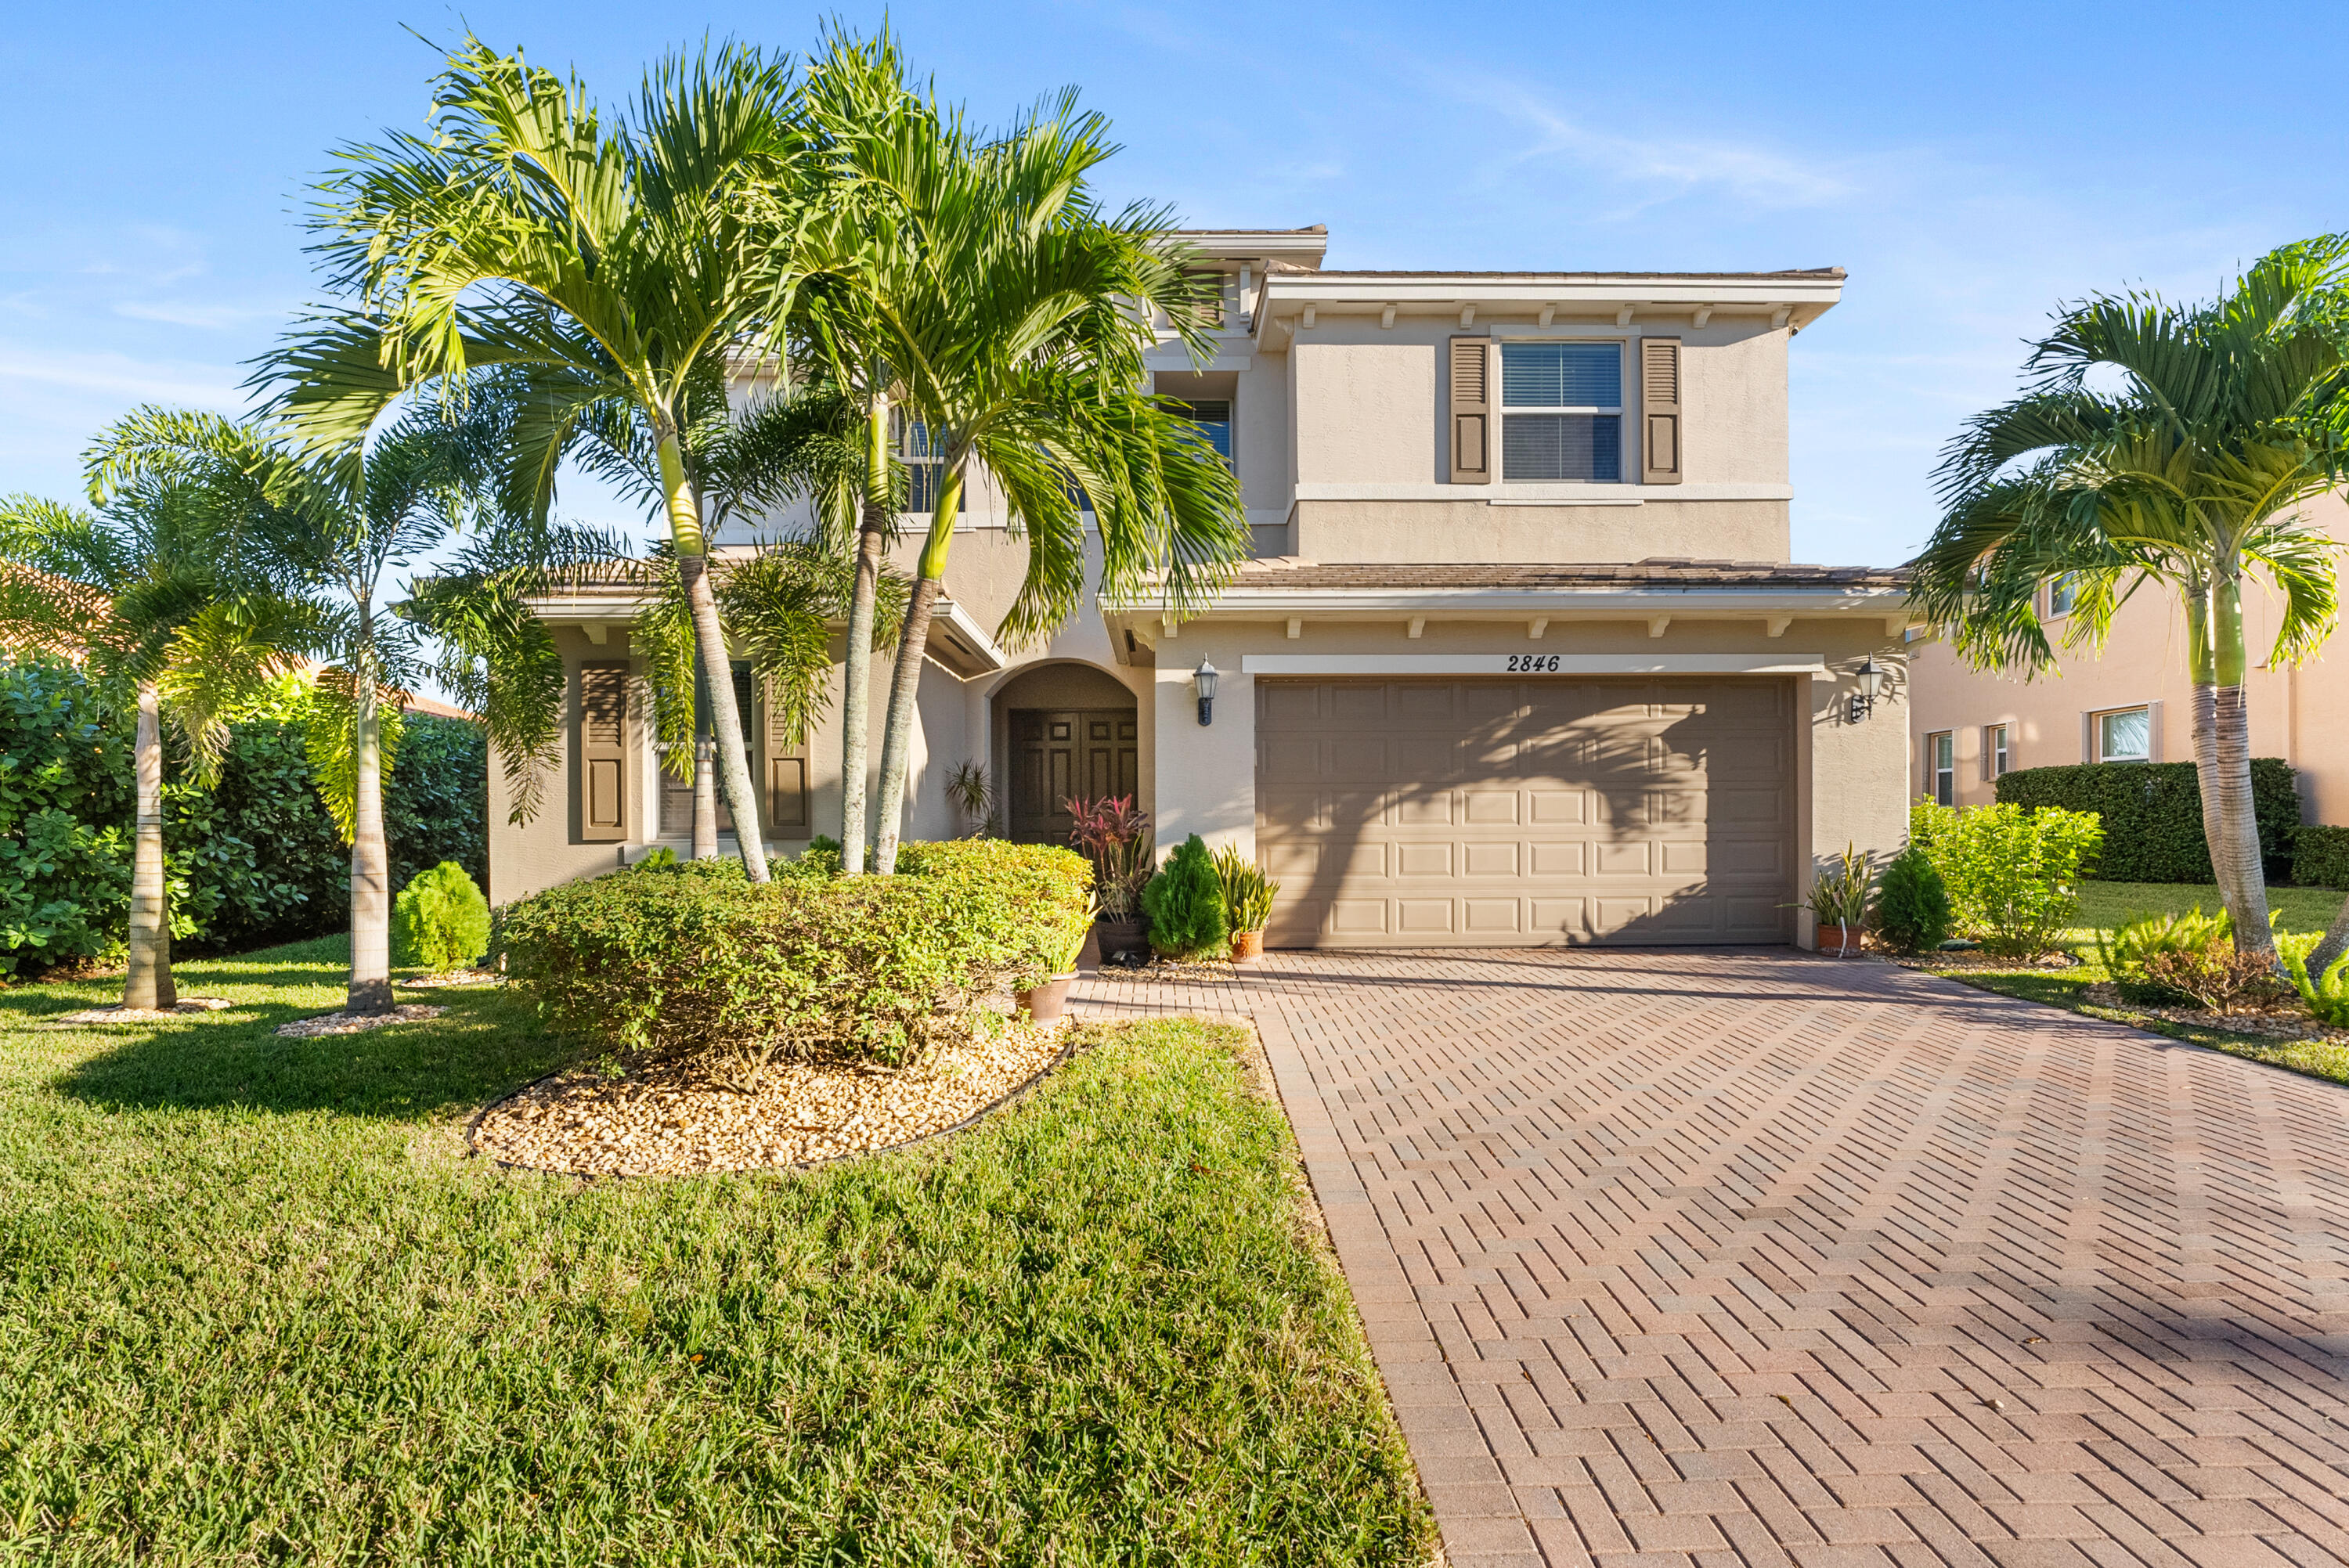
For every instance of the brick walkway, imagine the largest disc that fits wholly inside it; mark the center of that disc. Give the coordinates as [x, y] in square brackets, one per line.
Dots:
[1686, 1258]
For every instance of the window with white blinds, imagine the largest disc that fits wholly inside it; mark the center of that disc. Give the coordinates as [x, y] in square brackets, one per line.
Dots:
[1562, 412]
[1213, 417]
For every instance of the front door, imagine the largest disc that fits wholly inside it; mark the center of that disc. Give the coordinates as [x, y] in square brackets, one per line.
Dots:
[1058, 754]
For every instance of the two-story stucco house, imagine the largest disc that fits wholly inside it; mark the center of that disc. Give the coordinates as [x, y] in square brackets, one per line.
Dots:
[1520, 659]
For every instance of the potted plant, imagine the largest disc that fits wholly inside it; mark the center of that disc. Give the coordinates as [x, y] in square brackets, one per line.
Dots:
[1247, 901]
[1064, 941]
[1115, 835]
[1838, 899]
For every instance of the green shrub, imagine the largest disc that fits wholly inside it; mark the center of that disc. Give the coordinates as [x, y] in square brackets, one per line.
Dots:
[2138, 956]
[440, 921]
[66, 803]
[2327, 995]
[2012, 876]
[1185, 904]
[1912, 904]
[2321, 857]
[699, 959]
[2152, 814]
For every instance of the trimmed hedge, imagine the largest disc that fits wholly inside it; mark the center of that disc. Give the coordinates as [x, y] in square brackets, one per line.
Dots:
[2153, 815]
[694, 957]
[252, 861]
[2321, 857]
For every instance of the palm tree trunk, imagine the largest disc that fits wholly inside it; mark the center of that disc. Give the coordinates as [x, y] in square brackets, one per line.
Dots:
[2235, 852]
[710, 638]
[371, 990]
[2203, 672]
[898, 740]
[149, 983]
[2328, 952]
[857, 672]
[704, 799]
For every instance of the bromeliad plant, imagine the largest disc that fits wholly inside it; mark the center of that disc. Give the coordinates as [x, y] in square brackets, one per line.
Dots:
[1114, 834]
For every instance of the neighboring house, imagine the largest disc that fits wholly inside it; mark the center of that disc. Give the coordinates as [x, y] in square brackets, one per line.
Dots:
[1520, 660]
[2133, 703]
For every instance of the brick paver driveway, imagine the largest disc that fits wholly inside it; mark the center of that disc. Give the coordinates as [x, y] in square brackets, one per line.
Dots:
[1700, 1258]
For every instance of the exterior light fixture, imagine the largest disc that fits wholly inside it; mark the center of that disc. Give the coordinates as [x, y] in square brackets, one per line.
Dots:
[1203, 677]
[1871, 676]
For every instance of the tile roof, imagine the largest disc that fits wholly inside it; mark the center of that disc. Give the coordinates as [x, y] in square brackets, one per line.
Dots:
[1657, 572]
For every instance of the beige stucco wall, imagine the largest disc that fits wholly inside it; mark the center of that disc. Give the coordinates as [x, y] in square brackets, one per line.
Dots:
[1852, 778]
[2296, 714]
[1472, 531]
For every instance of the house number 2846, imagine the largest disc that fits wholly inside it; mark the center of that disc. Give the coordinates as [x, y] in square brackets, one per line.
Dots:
[1533, 663]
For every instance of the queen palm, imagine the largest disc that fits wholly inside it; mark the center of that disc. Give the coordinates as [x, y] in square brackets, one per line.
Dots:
[1016, 315]
[608, 258]
[138, 588]
[2187, 479]
[326, 534]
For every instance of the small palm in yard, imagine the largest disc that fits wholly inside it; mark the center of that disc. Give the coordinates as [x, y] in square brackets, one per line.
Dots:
[138, 590]
[602, 258]
[2188, 480]
[325, 535]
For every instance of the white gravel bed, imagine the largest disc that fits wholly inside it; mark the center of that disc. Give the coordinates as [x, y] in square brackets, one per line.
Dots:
[356, 1023]
[667, 1116]
[118, 1014]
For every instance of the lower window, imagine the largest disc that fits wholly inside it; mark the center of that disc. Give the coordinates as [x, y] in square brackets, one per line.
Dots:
[2124, 735]
[1995, 751]
[1942, 767]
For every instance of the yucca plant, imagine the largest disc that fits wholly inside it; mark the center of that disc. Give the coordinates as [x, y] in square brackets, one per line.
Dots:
[1247, 892]
[1840, 895]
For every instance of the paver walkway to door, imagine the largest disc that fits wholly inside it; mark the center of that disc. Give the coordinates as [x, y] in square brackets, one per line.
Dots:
[1709, 1258]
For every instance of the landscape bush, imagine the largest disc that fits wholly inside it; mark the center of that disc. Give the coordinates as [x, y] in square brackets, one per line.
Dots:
[2012, 876]
[2138, 954]
[1912, 904]
[252, 859]
[1185, 902]
[2152, 814]
[441, 921]
[2326, 995]
[697, 958]
[2321, 857]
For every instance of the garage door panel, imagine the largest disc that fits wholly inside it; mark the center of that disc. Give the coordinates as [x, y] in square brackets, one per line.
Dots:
[1557, 810]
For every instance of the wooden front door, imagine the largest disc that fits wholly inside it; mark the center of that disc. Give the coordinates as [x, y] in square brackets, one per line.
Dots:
[1061, 754]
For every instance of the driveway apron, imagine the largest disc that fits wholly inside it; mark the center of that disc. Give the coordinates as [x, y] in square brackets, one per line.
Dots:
[1681, 1258]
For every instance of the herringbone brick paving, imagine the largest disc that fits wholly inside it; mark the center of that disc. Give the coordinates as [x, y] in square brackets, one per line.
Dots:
[1749, 1257]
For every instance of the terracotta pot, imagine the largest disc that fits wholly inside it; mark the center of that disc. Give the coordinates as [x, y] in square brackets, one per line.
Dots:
[1047, 1002]
[1839, 942]
[1246, 945]
[1112, 937]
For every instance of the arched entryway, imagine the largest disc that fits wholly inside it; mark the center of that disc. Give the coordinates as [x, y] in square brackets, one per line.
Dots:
[1068, 731]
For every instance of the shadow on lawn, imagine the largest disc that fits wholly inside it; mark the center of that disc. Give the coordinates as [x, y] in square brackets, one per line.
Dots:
[487, 1043]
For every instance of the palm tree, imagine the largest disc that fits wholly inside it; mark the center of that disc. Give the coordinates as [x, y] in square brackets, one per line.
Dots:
[1017, 316]
[2188, 478]
[138, 588]
[326, 534]
[602, 258]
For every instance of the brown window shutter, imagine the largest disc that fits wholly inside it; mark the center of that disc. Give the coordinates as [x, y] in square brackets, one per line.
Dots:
[787, 779]
[1472, 410]
[1659, 410]
[603, 752]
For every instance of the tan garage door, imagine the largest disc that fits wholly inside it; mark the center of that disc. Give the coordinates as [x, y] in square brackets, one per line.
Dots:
[1499, 812]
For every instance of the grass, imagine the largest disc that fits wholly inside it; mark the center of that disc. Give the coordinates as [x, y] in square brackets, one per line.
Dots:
[2106, 906]
[257, 1303]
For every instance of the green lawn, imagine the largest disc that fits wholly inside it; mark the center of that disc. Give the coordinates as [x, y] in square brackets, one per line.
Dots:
[2107, 905]
[258, 1305]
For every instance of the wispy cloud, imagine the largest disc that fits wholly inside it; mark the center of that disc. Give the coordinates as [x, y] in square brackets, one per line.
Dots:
[1748, 173]
[122, 376]
[189, 313]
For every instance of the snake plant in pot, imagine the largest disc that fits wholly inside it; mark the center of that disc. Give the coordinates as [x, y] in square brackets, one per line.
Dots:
[1248, 901]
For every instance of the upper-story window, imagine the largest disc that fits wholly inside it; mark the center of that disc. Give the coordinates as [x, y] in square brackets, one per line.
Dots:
[924, 460]
[1214, 283]
[1213, 417]
[2061, 595]
[1562, 412]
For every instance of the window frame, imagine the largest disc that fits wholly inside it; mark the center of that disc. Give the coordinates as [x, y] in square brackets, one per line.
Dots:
[2057, 611]
[927, 470]
[1190, 406]
[2096, 720]
[1998, 754]
[1941, 776]
[1621, 411]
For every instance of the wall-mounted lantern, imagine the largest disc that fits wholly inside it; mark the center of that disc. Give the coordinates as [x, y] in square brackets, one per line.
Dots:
[1871, 676]
[1203, 678]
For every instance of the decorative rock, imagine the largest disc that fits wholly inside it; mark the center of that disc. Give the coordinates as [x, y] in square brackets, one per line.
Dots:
[347, 1023]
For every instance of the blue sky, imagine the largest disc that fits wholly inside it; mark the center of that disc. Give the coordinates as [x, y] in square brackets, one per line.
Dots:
[1969, 166]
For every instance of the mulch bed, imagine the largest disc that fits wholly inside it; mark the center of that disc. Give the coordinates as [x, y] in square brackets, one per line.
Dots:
[118, 1014]
[356, 1023]
[676, 1116]
[453, 977]
[1176, 971]
[1967, 960]
[2282, 1022]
